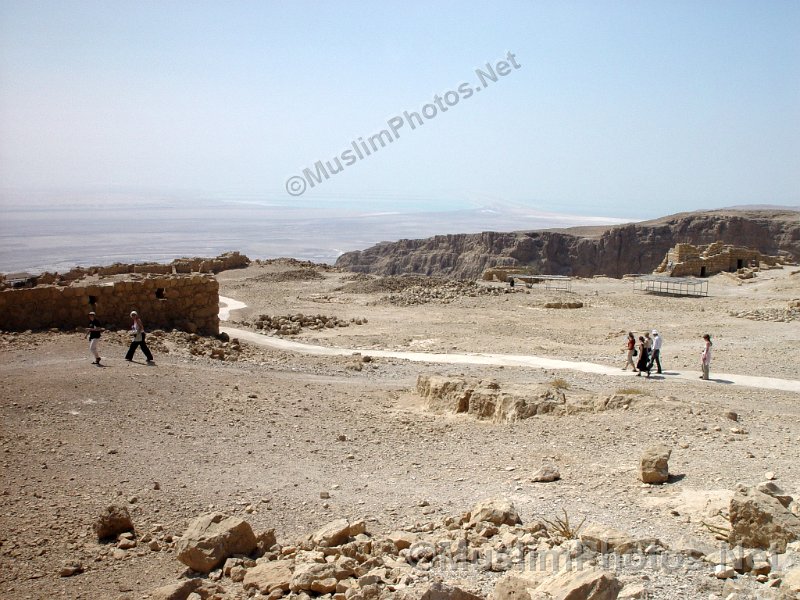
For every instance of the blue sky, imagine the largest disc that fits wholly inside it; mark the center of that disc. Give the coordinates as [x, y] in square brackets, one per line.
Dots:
[624, 109]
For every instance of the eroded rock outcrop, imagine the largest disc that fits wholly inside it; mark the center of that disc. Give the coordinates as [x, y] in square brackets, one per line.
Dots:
[631, 248]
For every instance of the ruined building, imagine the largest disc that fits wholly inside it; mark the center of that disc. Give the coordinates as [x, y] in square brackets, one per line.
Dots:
[685, 260]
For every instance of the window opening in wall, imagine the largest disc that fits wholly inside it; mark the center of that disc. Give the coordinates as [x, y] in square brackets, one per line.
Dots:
[160, 294]
[92, 300]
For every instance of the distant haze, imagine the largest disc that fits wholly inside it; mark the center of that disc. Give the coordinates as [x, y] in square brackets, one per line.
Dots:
[629, 109]
[40, 236]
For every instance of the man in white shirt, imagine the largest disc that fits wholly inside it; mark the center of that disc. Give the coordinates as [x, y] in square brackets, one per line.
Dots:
[655, 357]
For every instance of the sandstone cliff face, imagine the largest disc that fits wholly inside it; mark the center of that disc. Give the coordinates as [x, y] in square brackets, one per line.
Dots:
[631, 248]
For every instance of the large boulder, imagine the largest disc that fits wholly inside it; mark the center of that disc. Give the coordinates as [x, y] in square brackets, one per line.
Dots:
[653, 466]
[212, 538]
[114, 520]
[499, 511]
[761, 521]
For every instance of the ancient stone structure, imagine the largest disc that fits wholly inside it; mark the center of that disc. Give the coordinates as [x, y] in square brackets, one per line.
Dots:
[223, 262]
[186, 302]
[701, 261]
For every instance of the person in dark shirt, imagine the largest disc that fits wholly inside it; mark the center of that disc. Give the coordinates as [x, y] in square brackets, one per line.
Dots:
[93, 333]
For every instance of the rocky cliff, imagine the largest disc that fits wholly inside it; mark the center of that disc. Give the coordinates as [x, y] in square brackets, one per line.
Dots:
[581, 251]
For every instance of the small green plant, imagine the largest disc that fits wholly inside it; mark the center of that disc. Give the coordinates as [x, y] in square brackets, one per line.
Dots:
[560, 384]
[561, 527]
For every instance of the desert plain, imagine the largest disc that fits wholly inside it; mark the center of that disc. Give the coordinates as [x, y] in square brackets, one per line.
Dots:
[290, 439]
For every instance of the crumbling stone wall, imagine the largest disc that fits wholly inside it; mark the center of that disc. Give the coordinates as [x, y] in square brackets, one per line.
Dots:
[186, 302]
[223, 262]
[701, 261]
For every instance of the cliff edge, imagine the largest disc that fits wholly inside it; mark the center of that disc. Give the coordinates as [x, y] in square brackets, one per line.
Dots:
[581, 251]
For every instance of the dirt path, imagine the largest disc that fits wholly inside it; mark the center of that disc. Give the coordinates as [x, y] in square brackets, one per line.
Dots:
[508, 360]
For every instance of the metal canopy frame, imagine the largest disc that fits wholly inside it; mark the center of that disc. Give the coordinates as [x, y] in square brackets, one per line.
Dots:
[672, 286]
[557, 283]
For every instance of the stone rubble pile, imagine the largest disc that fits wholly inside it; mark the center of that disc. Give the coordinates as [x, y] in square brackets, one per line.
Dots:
[560, 304]
[294, 324]
[444, 293]
[776, 315]
[485, 553]
[485, 400]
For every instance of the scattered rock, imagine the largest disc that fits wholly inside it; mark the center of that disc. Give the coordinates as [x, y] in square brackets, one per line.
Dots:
[112, 522]
[546, 474]
[654, 467]
[499, 511]
[70, 568]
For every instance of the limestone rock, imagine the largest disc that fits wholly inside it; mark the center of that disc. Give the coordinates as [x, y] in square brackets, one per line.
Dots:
[268, 577]
[499, 511]
[70, 568]
[632, 592]
[546, 474]
[212, 538]
[314, 577]
[654, 467]
[791, 580]
[112, 522]
[770, 488]
[439, 590]
[607, 539]
[761, 521]
[334, 533]
[585, 584]
[402, 539]
[176, 591]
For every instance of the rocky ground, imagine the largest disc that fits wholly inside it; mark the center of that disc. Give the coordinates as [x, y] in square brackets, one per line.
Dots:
[291, 442]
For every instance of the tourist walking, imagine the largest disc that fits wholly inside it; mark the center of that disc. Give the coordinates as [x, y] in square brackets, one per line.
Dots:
[631, 342]
[93, 333]
[705, 357]
[655, 356]
[644, 357]
[138, 339]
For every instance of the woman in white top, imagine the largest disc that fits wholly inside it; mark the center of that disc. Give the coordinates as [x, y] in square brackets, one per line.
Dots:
[705, 357]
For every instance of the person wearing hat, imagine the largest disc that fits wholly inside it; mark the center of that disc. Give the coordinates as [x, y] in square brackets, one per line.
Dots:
[655, 357]
[93, 333]
[137, 339]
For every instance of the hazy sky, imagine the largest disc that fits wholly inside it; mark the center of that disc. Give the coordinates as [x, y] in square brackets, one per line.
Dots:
[631, 109]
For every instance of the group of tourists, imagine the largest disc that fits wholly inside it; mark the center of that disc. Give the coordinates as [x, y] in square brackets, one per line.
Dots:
[648, 352]
[137, 338]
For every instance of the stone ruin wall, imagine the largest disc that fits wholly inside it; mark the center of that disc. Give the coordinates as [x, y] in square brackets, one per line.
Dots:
[223, 262]
[686, 260]
[186, 302]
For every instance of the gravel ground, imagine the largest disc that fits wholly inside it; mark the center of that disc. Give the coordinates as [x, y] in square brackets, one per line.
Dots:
[262, 433]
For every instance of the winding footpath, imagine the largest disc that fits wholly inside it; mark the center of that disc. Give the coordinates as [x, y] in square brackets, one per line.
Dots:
[506, 360]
